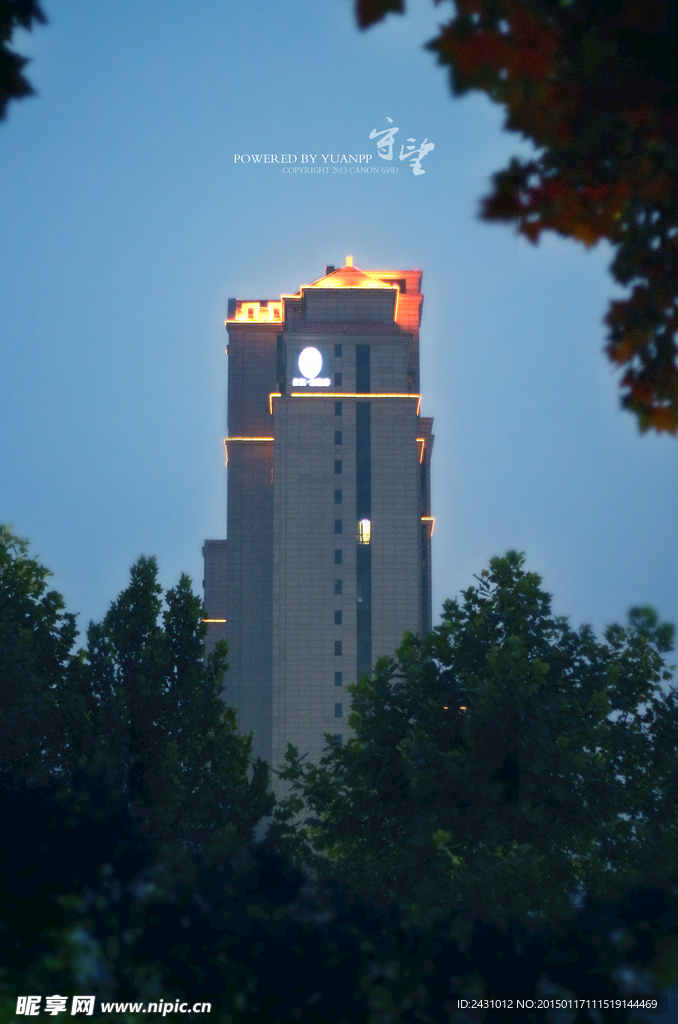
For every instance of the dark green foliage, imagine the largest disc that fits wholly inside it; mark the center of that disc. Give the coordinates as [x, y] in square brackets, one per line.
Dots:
[505, 766]
[54, 851]
[85, 911]
[36, 664]
[163, 734]
[138, 714]
[15, 14]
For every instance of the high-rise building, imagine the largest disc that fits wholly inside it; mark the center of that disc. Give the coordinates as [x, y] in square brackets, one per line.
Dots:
[327, 560]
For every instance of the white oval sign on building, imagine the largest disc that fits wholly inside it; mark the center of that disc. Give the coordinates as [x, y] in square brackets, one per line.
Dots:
[310, 363]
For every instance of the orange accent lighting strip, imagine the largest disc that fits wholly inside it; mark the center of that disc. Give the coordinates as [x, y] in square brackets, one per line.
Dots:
[227, 439]
[431, 520]
[422, 442]
[214, 620]
[344, 394]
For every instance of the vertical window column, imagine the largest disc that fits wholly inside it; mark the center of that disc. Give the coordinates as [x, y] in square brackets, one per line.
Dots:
[362, 369]
[424, 544]
[363, 551]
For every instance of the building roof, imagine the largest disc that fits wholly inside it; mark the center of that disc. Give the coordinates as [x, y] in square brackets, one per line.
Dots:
[349, 277]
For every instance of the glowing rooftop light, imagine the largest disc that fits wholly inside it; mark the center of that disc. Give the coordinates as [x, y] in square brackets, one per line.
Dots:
[258, 312]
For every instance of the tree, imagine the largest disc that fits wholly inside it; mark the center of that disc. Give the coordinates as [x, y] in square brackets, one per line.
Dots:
[137, 716]
[504, 766]
[159, 729]
[83, 909]
[594, 85]
[36, 661]
[13, 83]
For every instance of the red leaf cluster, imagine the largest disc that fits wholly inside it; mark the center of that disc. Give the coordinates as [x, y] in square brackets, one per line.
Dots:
[594, 85]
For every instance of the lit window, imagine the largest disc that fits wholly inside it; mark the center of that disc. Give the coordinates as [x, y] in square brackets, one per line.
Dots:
[337, 497]
[337, 466]
[337, 408]
[337, 556]
[337, 525]
[338, 711]
[337, 437]
[337, 617]
[337, 647]
[337, 586]
[338, 680]
[364, 531]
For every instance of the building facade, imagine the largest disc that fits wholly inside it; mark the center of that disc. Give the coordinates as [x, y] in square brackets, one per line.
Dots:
[327, 560]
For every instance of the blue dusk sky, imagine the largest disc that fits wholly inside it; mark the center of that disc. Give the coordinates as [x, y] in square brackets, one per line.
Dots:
[126, 225]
